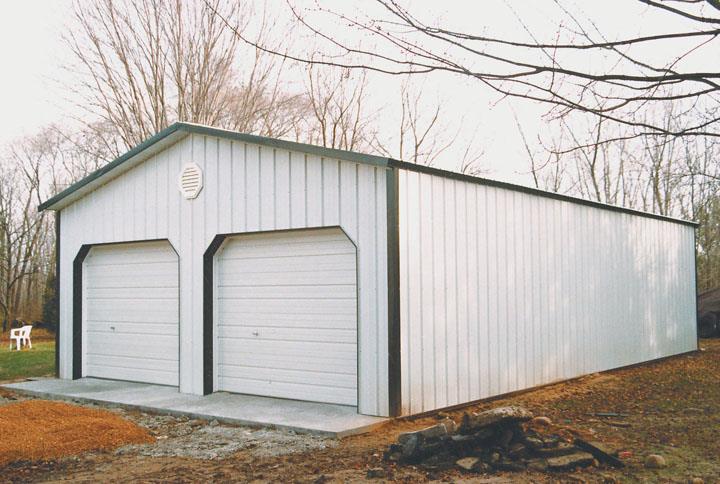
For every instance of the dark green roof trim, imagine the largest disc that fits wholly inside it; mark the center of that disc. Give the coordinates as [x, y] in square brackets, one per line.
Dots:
[532, 191]
[191, 128]
[109, 167]
[220, 133]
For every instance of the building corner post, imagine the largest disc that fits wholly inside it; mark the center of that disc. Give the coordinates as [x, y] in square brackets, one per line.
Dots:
[393, 282]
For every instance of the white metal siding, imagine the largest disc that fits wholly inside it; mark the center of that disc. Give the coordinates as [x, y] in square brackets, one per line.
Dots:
[287, 316]
[130, 306]
[247, 188]
[503, 290]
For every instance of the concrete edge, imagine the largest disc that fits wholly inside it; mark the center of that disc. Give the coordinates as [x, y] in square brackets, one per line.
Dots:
[199, 416]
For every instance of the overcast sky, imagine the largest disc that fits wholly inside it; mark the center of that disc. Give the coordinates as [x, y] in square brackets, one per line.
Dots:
[33, 56]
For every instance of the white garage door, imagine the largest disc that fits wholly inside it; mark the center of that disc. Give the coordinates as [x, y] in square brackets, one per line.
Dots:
[131, 312]
[287, 316]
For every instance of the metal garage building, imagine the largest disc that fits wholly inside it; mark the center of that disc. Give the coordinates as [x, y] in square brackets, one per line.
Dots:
[217, 261]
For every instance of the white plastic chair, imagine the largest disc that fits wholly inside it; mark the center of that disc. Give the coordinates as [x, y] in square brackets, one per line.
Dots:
[21, 336]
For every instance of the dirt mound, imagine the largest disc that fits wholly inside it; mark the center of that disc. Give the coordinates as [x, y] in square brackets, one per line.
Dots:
[41, 430]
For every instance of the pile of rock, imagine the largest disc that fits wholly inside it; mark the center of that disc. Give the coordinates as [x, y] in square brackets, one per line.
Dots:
[501, 439]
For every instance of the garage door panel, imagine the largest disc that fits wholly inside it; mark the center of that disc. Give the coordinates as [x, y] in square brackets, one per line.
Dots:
[131, 312]
[283, 251]
[298, 278]
[118, 327]
[144, 375]
[342, 396]
[269, 265]
[300, 376]
[288, 347]
[287, 316]
[114, 279]
[309, 292]
[290, 362]
[99, 312]
[143, 301]
[139, 253]
[269, 306]
[169, 294]
[290, 319]
[104, 360]
[333, 335]
[300, 237]
[160, 347]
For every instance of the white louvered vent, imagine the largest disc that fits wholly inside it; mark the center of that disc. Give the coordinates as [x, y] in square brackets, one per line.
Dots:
[191, 180]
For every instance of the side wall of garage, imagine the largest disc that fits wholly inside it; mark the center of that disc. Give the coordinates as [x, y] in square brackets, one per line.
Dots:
[503, 290]
[247, 188]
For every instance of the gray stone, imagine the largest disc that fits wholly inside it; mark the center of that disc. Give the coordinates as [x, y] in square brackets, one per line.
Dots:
[450, 425]
[462, 439]
[475, 421]
[534, 443]
[570, 461]
[483, 434]
[436, 431]
[505, 437]
[516, 450]
[601, 452]
[542, 421]
[469, 464]
[537, 465]
[409, 444]
[654, 461]
[393, 456]
[510, 466]
[562, 449]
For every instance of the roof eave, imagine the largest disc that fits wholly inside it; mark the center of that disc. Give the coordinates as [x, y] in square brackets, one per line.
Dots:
[98, 177]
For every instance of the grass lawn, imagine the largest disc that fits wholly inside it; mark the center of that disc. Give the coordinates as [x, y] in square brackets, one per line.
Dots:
[38, 361]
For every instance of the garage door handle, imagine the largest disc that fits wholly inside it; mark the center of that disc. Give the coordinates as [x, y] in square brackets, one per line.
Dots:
[255, 333]
[112, 327]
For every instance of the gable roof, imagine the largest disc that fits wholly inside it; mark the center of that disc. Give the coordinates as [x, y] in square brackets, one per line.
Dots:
[180, 130]
[174, 133]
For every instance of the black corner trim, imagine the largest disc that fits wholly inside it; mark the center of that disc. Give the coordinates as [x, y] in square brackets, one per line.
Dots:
[208, 257]
[404, 165]
[697, 292]
[57, 294]
[393, 281]
[78, 310]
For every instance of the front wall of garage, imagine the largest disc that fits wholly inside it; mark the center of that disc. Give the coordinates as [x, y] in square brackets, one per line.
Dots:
[247, 188]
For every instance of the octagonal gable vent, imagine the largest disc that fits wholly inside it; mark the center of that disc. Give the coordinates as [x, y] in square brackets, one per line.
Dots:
[191, 180]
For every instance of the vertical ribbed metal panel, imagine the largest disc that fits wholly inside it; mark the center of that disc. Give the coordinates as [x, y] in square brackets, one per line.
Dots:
[247, 188]
[503, 290]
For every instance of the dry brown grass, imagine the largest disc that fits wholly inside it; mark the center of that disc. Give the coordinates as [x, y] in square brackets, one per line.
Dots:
[40, 430]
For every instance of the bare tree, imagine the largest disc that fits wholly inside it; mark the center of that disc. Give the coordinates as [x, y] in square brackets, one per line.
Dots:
[423, 134]
[23, 232]
[616, 86]
[147, 63]
[341, 115]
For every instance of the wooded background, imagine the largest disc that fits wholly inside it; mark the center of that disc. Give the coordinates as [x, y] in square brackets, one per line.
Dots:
[637, 127]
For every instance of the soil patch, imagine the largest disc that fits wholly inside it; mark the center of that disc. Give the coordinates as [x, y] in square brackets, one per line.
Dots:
[40, 430]
[669, 408]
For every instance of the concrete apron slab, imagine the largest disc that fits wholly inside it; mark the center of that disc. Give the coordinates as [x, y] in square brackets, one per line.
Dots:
[304, 417]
